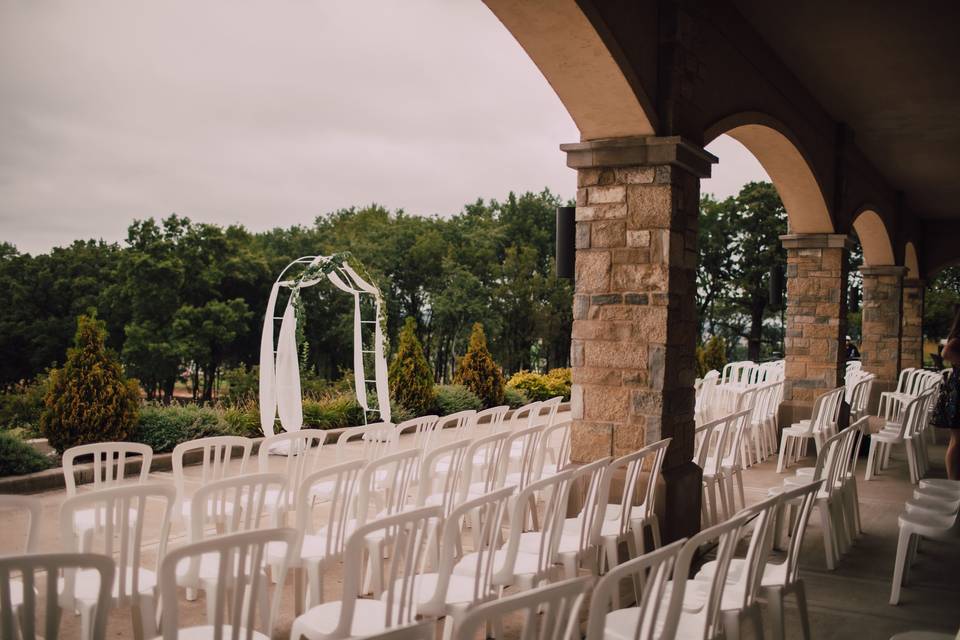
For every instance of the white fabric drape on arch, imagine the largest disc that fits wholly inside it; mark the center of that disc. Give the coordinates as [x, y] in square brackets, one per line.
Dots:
[280, 391]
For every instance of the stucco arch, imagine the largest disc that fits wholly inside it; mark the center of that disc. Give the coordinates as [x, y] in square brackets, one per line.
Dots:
[910, 260]
[787, 167]
[874, 239]
[603, 101]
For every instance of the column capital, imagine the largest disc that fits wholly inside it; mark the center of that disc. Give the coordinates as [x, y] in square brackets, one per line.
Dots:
[816, 241]
[885, 270]
[914, 283]
[639, 151]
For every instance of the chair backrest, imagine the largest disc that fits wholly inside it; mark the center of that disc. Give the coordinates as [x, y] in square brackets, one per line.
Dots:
[649, 458]
[826, 410]
[556, 443]
[860, 395]
[376, 440]
[902, 380]
[434, 477]
[861, 428]
[654, 569]
[240, 561]
[492, 417]
[592, 478]
[235, 504]
[556, 490]
[422, 429]
[408, 532]
[487, 513]
[300, 451]
[707, 393]
[547, 414]
[912, 414]
[483, 460]
[525, 415]
[739, 422]
[528, 441]
[385, 483]
[120, 515]
[462, 424]
[830, 464]
[217, 453]
[18, 620]
[807, 495]
[762, 518]
[725, 536]
[338, 487]
[109, 463]
[554, 609]
[32, 508]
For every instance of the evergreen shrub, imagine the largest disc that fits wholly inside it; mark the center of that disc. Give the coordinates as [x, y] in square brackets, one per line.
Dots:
[542, 386]
[712, 355]
[477, 371]
[452, 398]
[411, 379]
[514, 397]
[89, 399]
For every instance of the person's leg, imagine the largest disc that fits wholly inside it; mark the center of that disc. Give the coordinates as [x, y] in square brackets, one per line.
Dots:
[953, 455]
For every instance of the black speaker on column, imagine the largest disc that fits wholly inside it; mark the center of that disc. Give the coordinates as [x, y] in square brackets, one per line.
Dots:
[776, 286]
[566, 243]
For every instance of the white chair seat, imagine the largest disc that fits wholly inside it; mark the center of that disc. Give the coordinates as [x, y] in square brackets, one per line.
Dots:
[85, 519]
[622, 624]
[87, 583]
[206, 632]
[526, 563]
[314, 547]
[459, 589]
[369, 617]
[773, 574]
[530, 542]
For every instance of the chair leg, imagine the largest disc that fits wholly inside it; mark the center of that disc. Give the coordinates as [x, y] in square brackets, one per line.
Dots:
[731, 625]
[871, 456]
[801, 594]
[903, 543]
[828, 547]
[743, 498]
[781, 458]
[655, 531]
[774, 596]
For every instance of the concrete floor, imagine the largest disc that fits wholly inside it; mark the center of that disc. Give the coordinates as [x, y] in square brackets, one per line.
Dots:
[850, 602]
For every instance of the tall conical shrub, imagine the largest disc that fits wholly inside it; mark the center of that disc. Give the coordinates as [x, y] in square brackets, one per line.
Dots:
[89, 399]
[477, 371]
[411, 380]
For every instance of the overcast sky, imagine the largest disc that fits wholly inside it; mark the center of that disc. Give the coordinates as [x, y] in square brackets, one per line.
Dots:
[270, 113]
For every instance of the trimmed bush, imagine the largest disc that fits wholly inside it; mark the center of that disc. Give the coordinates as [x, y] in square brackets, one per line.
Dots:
[477, 371]
[514, 398]
[242, 420]
[89, 399]
[334, 412]
[411, 379]
[542, 386]
[21, 406]
[452, 398]
[164, 427]
[17, 457]
[243, 385]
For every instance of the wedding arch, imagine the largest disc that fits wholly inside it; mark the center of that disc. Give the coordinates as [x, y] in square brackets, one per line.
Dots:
[280, 393]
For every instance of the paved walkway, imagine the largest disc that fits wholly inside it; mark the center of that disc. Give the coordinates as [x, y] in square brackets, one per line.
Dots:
[850, 602]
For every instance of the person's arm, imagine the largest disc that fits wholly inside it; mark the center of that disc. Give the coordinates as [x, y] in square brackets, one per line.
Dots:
[951, 352]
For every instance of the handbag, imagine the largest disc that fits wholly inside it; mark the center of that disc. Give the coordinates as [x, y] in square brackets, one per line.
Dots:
[947, 406]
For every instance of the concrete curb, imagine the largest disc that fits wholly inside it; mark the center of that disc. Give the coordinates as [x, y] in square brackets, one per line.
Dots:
[52, 479]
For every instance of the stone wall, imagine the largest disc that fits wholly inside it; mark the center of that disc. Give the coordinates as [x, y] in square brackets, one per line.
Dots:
[881, 325]
[911, 340]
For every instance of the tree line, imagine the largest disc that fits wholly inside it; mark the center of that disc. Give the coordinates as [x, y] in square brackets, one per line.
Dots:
[182, 299]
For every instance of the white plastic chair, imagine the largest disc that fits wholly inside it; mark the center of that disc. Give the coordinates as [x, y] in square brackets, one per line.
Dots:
[19, 604]
[117, 532]
[714, 446]
[450, 595]
[481, 468]
[32, 509]
[650, 618]
[376, 440]
[318, 547]
[793, 439]
[901, 434]
[234, 505]
[627, 521]
[241, 585]
[110, 463]
[216, 455]
[492, 419]
[706, 397]
[461, 425]
[442, 468]
[916, 524]
[355, 617]
[579, 543]
[549, 613]
[422, 428]
[416, 631]
[524, 416]
[300, 451]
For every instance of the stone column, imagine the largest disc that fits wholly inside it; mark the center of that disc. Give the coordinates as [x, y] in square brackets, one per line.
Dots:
[881, 309]
[911, 340]
[816, 319]
[634, 313]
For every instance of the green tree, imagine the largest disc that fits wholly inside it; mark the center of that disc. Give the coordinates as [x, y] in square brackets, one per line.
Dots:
[940, 300]
[477, 371]
[89, 399]
[205, 335]
[410, 377]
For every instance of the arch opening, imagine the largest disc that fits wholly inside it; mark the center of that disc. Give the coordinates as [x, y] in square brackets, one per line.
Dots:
[788, 169]
[874, 239]
[910, 260]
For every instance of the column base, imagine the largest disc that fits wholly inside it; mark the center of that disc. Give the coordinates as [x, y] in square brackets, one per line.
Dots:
[682, 495]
